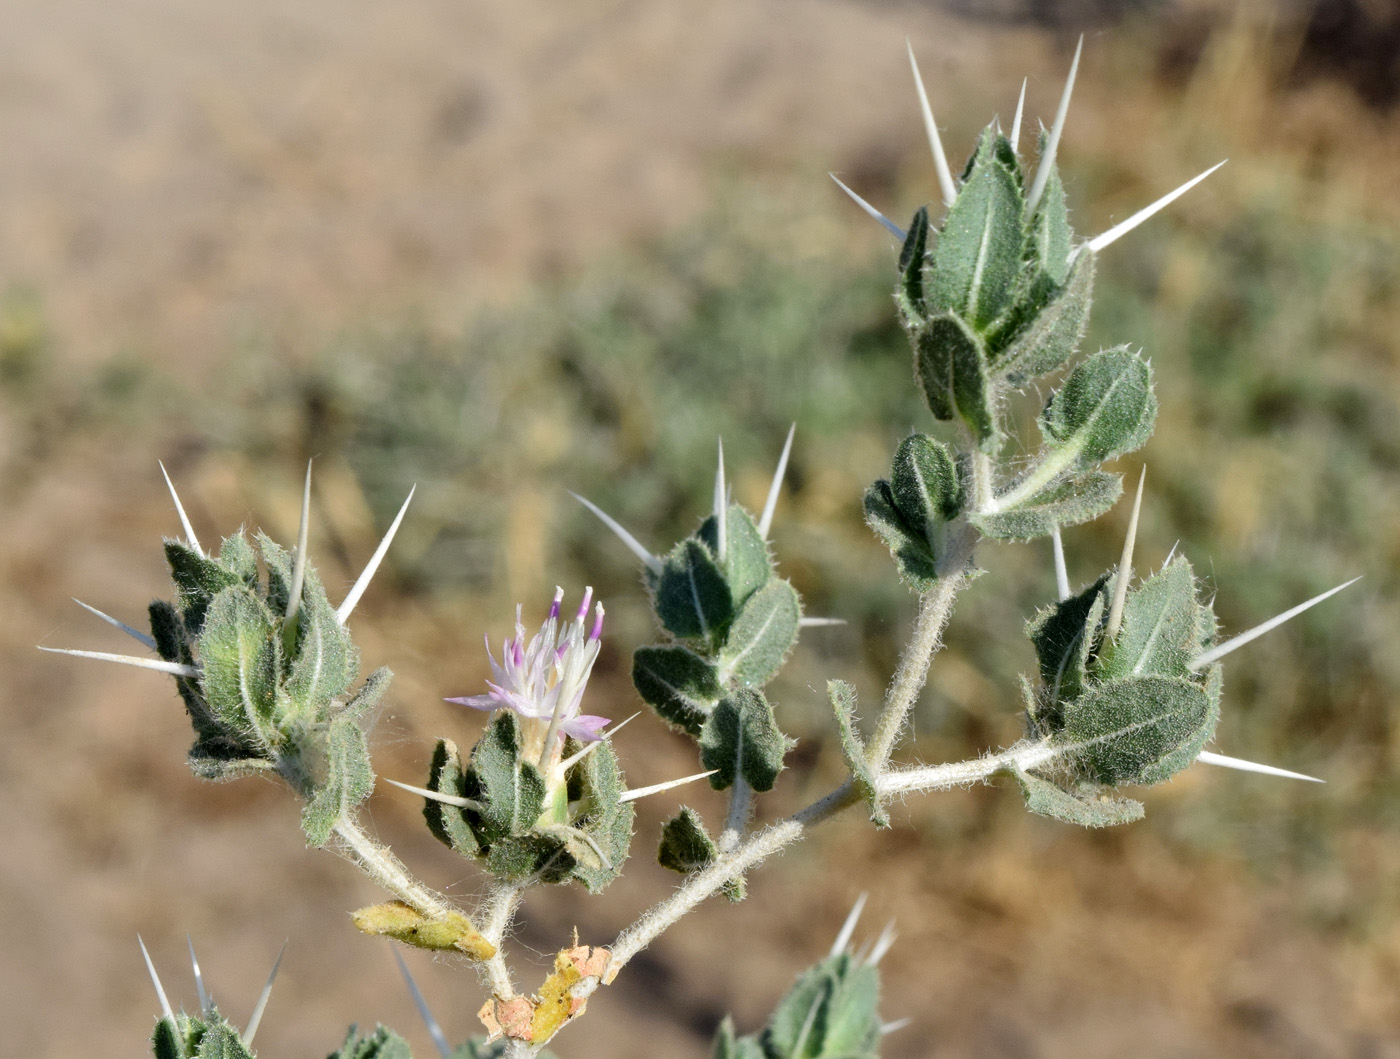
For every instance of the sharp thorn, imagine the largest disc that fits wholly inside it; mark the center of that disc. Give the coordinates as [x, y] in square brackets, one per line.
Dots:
[155, 981]
[882, 945]
[436, 796]
[1016, 122]
[198, 976]
[940, 160]
[299, 566]
[657, 788]
[135, 634]
[633, 545]
[816, 623]
[1125, 568]
[574, 759]
[359, 587]
[1047, 160]
[180, 510]
[155, 664]
[261, 1005]
[1221, 650]
[1205, 757]
[770, 505]
[843, 936]
[893, 228]
[1171, 554]
[894, 1026]
[1123, 228]
[1061, 571]
[434, 1029]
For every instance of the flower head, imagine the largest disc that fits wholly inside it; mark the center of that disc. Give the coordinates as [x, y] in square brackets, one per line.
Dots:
[542, 681]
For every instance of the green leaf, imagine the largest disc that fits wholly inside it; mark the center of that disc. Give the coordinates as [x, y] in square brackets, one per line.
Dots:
[349, 781]
[1051, 336]
[1105, 408]
[222, 1041]
[1067, 502]
[1050, 236]
[907, 544]
[384, 1043]
[925, 484]
[685, 844]
[950, 362]
[676, 682]
[448, 823]
[831, 1012]
[325, 659]
[763, 633]
[1087, 809]
[165, 1042]
[912, 258]
[843, 704]
[1169, 764]
[746, 566]
[374, 687]
[978, 255]
[1063, 635]
[1123, 732]
[595, 791]
[1160, 633]
[692, 597]
[728, 1046]
[197, 581]
[511, 791]
[240, 656]
[539, 854]
[742, 736]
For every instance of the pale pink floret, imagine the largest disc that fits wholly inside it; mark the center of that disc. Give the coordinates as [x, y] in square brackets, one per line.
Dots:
[546, 677]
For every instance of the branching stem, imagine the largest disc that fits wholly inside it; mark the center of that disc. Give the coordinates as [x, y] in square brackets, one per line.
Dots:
[388, 872]
[935, 607]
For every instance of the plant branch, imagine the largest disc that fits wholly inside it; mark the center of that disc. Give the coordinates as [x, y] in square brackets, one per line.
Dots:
[497, 912]
[388, 872]
[935, 607]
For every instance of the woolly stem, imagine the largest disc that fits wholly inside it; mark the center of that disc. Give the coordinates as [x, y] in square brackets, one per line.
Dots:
[388, 872]
[935, 607]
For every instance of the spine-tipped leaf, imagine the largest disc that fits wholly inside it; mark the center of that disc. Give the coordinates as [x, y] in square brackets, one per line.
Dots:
[978, 255]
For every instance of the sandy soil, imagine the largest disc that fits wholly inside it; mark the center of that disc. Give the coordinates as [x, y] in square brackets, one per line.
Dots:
[176, 174]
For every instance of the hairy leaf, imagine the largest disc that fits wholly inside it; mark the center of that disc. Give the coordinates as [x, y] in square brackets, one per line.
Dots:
[742, 736]
[843, 704]
[979, 246]
[1105, 408]
[349, 780]
[680, 685]
[950, 362]
[763, 633]
[1088, 809]
[1067, 502]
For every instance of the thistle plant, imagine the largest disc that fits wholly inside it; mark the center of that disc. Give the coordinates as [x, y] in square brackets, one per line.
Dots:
[995, 296]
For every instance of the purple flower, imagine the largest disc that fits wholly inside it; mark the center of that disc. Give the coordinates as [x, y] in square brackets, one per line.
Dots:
[543, 681]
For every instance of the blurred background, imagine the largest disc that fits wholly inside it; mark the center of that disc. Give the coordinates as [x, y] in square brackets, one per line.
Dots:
[503, 251]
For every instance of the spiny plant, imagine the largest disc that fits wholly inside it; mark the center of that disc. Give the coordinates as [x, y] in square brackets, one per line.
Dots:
[1127, 693]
